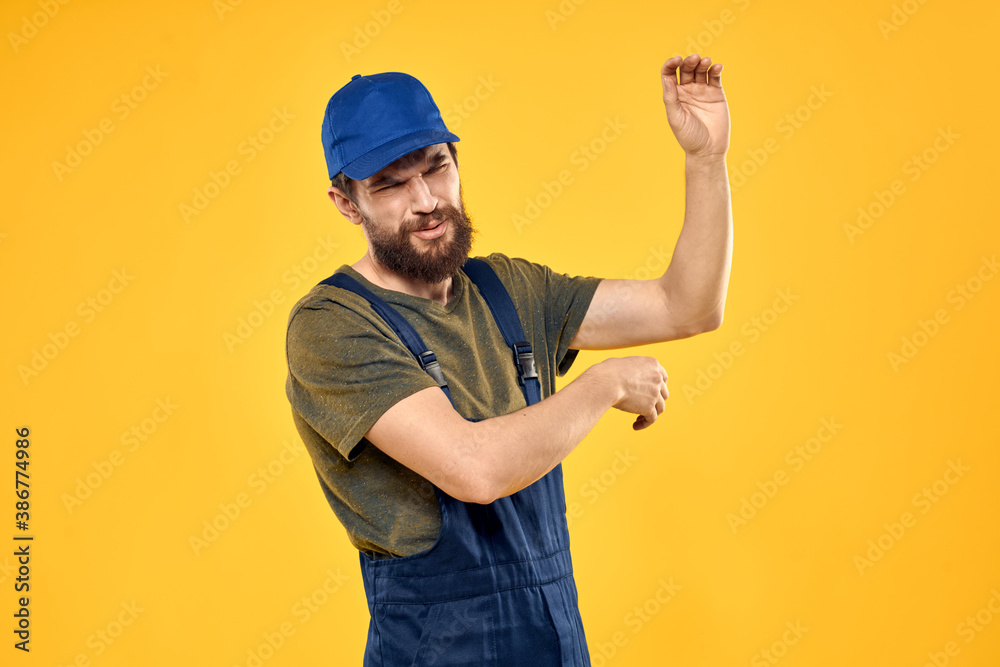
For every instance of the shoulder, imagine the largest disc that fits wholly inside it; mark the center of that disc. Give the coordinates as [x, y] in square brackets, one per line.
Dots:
[333, 314]
[517, 273]
[520, 275]
[500, 261]
[328, 298]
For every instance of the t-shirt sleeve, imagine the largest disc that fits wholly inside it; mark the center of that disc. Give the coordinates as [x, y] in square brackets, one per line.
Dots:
[335, 356]
[558, 299]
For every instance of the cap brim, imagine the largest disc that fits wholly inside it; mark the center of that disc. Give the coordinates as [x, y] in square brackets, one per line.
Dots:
[375, 160]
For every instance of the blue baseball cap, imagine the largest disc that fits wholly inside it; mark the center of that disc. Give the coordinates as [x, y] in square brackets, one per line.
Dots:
[375, 120]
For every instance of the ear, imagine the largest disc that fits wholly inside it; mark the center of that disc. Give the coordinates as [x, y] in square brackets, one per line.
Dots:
[344, 205]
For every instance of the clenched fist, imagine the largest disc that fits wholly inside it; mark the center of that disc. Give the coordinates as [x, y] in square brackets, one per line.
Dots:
[642, 387]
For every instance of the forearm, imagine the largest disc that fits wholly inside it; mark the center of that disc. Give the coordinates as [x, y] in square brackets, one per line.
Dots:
[694, 285]
[479, 462]
[508, 453]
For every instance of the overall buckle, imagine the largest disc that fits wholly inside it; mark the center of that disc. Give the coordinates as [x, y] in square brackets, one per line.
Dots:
[428, 361]
[524, 359]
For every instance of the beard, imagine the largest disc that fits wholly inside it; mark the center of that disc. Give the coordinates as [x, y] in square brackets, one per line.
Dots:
[442, 257]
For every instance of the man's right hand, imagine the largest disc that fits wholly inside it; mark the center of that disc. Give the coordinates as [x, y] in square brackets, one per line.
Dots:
[642, 386]
[481, 461]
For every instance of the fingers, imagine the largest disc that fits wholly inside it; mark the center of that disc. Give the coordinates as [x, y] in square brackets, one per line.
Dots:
[664, 394]
[693, 69]
[641, 387]
[649, 418]
[642, 421]
[701, 70]
[669, 70]
[715, 76]
[688, 68]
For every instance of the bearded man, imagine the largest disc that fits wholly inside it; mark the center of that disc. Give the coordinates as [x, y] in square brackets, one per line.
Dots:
[423, 382]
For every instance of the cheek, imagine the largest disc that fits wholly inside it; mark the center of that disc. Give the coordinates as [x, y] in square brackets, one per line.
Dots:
[383, 212]
[448, 188]
[396, 208]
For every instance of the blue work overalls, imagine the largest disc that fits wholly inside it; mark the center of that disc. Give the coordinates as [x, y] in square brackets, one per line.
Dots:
[497, 587]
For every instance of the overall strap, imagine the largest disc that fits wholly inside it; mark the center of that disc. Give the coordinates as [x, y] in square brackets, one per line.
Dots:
[505, 314]
[414, 343]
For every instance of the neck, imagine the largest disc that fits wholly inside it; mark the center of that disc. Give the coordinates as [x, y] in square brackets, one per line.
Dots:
[381, 276]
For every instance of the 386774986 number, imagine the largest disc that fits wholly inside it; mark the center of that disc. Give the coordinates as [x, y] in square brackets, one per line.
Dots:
[21, 487]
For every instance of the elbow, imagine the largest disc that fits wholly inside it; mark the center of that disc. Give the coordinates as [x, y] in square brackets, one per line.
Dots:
[478, 473]
[483, 486]
[704, 325]
[689, 317]
[475, 490]
[483, 496]
[466, 480]
[712, 322]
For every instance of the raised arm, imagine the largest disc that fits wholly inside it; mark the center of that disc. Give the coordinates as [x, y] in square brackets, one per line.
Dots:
[690, 296]
[482, 461]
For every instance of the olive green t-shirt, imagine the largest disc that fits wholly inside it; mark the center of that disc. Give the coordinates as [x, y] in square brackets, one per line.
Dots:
[346, 367]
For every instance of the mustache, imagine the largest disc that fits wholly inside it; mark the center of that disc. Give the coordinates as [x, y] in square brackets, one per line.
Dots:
[427, 220]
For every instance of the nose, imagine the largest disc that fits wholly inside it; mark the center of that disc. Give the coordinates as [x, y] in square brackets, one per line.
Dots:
[422, 200]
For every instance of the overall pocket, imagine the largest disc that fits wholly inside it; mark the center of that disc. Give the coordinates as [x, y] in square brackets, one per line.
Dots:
[445, 634]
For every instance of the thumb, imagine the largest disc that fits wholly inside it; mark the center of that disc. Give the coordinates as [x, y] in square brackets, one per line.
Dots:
[670, 95]
[669, 79]
[644, 420]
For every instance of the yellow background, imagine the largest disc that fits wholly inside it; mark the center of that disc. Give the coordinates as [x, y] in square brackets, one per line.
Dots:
[869, 86]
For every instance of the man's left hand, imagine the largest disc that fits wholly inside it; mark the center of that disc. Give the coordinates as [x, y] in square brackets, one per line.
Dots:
[696, 106]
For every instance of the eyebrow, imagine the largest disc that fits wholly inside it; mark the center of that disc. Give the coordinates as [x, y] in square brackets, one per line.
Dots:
[436, 160]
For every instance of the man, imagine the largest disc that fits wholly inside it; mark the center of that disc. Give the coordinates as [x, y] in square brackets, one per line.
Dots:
[438, 440]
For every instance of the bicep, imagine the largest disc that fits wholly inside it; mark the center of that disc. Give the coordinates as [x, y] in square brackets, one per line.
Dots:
[345, 371]
[624, 313]
[425, 433]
